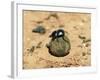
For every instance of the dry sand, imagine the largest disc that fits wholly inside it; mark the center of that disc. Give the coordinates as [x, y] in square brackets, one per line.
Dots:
[77, 27]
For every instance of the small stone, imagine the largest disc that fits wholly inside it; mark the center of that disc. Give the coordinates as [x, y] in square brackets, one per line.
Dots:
[51, 66]
[82, 37]
[87, 40]
[39, 29]
[39, 45]
[83, 53]
[87, 45]
[31, 50]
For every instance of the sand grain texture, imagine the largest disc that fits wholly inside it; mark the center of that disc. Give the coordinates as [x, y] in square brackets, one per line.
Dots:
[77, 27]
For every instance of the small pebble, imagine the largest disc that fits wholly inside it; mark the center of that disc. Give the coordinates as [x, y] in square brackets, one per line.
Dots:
[39, 29]
[39, 45]
[83, 53]
[31, 50]
[82, 37]
[87, 45]
[85, 41]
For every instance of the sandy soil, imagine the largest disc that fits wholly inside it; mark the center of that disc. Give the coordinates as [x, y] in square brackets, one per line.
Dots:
[78, 29]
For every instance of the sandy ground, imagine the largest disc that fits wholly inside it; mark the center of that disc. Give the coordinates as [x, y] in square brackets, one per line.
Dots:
[78, 29]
